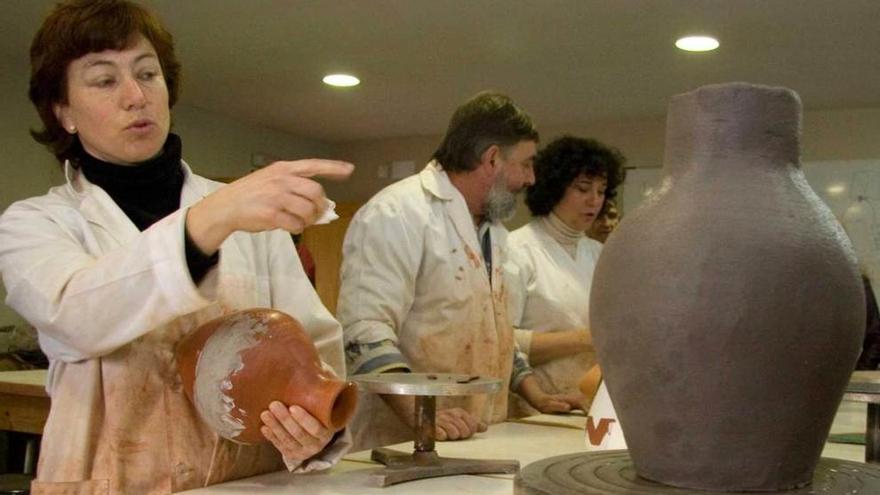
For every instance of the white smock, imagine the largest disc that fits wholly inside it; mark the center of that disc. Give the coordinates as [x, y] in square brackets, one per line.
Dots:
[109, 303]
[548, 291]
[415, 290]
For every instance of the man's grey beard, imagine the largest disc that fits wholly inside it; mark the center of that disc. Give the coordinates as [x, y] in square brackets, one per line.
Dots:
[501, 203]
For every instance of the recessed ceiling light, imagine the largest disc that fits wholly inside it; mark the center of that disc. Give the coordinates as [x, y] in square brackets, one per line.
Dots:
[341, 80]
[836, 189]
[697, 43]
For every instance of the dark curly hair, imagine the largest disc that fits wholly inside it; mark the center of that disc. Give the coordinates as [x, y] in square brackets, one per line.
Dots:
[486, 119]
[75, 28]
[564, 160]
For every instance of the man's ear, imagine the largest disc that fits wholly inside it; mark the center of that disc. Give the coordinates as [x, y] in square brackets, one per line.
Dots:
[491, 156]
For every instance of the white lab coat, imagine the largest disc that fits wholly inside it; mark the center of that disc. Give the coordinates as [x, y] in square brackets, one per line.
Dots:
[109, 303]
[413, 273]
[549, 291]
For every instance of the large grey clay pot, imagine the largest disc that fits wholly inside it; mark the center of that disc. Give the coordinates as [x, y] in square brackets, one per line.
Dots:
[727, 310]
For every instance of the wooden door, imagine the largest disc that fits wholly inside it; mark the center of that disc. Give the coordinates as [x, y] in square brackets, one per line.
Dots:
[325, 244]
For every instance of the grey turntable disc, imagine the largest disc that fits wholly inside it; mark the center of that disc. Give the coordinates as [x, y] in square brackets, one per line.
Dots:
[427, 383]
[611, 472]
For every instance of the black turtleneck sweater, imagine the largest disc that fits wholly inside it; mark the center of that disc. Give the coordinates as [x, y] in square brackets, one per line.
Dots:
[147, 192]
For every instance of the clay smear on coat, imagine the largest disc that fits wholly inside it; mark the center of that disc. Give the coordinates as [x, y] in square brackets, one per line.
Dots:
[213, 374]
[476, 261]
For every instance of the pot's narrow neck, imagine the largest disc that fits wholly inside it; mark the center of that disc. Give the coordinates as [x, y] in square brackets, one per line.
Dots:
[330, 400]
[718, 125]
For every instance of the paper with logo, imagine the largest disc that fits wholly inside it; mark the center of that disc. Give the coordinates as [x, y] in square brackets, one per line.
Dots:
[602, 431]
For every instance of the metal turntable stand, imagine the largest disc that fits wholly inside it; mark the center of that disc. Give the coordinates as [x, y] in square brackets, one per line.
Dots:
[424, 462]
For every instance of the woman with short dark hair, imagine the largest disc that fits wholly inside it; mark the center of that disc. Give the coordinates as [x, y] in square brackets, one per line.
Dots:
[135, 251]
[551, 261]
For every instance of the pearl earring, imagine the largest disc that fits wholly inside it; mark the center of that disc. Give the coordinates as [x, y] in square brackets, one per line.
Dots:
[73, 129]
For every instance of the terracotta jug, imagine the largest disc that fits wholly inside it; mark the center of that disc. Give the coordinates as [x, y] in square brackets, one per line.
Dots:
[727, 309]
[232, 367]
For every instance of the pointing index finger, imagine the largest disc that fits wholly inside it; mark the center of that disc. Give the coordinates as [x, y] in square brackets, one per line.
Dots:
[330, 169]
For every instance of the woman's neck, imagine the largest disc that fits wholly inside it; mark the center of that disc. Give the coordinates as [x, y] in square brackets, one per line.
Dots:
[560, 231]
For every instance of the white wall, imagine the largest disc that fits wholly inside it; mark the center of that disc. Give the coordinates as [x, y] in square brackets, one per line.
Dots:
[217, 146]
[28, 169]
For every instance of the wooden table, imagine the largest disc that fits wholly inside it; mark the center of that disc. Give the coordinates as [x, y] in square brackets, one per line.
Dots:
[24, 403]
[864, 386]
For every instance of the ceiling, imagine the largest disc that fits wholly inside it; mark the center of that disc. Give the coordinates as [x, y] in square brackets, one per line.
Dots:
[568, 62]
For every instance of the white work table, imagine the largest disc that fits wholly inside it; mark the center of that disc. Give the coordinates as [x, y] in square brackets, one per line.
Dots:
[527, 440]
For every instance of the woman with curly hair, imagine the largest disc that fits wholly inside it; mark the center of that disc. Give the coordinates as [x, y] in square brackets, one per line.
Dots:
[551, 261]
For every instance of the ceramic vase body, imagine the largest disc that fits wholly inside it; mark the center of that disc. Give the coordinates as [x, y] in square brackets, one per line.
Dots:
[232, 367]
[727, 310]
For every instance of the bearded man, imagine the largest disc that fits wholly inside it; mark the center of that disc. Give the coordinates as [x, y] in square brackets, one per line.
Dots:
[421, 284]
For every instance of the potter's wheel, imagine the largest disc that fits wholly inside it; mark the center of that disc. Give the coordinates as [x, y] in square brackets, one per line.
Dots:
[424, 462]
[611, 472]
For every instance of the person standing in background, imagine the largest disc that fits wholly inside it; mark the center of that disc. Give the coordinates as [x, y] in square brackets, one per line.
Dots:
[551, 261]
[608, 220]
[305, 257]
[422, 287]
[869, 359]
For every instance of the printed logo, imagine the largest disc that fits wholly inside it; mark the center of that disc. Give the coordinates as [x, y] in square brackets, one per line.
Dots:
[597, 433]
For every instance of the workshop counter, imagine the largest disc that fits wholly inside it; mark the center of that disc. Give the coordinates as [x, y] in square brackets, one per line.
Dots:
[527, 440]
